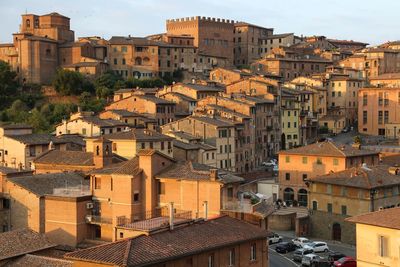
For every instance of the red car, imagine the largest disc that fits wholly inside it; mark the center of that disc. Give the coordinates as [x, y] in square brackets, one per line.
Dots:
[345, 262]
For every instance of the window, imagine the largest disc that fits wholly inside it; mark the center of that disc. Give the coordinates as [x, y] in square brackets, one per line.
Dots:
[121, 235]
[287, 159]
[114, 146]
[365, 117]
[115, 61]
[305, 160]
[365, 99]
[253, 252]
[124, 49]
[123, 61]
[161, 188]
[288, 124]
[136, 197]
[97, 183]
[380, 99]
[287, 176]
[32, 151]
[6, 204]
[380, 117]
[304, 177]
[335, 162]
[232, 257]
[211, 260]
[315, 205]
[386, 118]
[344, 210]
[383, 246]
[329, 207]
[329, 189]
[319, 161]
[230, 192]
[151, 145]
[223, 133]
[143, 145]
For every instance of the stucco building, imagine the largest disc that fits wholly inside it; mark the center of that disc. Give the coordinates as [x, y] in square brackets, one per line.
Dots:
[336, 196]
[316, 159]
[377, 239]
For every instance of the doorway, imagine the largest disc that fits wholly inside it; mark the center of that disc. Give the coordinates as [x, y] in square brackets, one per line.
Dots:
[336, 232]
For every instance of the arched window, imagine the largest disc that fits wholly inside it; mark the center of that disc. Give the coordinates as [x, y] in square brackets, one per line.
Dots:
[302, 197]
[28, 23]
[146, 60]
[288, 195]
[138, 61]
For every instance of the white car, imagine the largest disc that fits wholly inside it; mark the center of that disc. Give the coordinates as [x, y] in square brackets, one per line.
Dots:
[300, 241]
[274, 238]
[308, 259]
[317, 246]
[270, 163]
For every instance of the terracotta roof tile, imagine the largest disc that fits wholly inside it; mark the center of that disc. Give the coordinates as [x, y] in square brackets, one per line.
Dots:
[22, 241]
[38, 261]
[388, 218]
[361, 177]
[194, 171]
[329, 149]
[163, 246]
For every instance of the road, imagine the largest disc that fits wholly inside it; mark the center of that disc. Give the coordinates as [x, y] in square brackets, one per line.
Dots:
[285, 260]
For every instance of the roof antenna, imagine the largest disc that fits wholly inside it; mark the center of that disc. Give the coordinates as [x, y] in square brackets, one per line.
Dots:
[26, 11]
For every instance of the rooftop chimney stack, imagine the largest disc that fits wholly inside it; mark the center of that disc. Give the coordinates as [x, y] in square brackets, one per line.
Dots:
[213, 174]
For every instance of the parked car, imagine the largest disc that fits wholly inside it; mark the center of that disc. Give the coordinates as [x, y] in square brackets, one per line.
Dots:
[300, 241]
[321, 263]
[274, 238]
[300, 253]
[345, 262]
[346, 130]
[309, 259]
[334, 256]
[317, 246]
[271, 163]
[285, 247]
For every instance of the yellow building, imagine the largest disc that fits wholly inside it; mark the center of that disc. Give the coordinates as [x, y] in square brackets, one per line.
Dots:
[378, 238]
[290, 111]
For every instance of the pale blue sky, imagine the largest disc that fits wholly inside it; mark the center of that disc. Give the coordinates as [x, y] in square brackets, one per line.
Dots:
[373, 21]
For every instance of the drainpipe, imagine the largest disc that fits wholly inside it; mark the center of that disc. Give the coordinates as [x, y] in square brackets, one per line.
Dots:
[171, 216]
[205, 205]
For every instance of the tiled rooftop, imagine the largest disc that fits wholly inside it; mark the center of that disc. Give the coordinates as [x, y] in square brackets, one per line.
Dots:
[180, 242]
[22, 241]
[387, 218]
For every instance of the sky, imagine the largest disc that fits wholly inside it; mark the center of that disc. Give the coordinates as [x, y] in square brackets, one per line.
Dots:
[371, 21]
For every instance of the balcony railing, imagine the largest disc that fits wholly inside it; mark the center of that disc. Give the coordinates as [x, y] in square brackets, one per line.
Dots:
[98, 219]
[153, 219]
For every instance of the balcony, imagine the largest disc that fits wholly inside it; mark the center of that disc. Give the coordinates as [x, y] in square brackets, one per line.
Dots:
[153, 219]
[97, 219]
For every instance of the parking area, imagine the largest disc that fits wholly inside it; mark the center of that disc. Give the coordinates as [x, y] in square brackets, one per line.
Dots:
[288, 257]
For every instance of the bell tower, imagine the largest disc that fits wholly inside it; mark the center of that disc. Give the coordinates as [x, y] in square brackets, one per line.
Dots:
[102, 154]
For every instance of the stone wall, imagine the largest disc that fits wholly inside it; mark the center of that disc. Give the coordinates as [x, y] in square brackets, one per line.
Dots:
[321, 224]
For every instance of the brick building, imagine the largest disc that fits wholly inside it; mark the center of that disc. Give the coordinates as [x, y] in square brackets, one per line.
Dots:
[247, 39]
[221, 241]
[211, 36]
[378, 111]
[45, 43]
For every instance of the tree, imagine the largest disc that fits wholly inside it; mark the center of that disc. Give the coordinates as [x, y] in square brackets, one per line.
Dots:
[38, 121]
[109, 79]
[68, 82]
[357, 139]
[103, 92]
[18, 112]
[8, 84]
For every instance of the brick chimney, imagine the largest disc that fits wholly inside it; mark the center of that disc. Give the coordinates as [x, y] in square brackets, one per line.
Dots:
[213, 174]
[102, 155]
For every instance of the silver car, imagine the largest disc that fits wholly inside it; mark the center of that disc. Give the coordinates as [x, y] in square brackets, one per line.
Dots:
[300, 253]
[308, 259]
